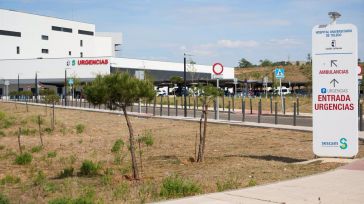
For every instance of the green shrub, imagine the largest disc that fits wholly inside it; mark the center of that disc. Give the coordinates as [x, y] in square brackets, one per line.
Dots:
[27, 131]
[24, 158]
[50, 187]
[48, 130]
[175, 186]
[148, 190]
[6, 121]
[4, 199]
[231, 183]
[252, 182]
[52, 154]
[66, 172]
[36, 149]
[8, 179]
[89, 168]
[80, 128]
[117, 146]
[147, 138]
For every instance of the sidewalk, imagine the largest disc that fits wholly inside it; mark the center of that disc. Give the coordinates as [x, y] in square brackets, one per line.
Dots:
[343, 185]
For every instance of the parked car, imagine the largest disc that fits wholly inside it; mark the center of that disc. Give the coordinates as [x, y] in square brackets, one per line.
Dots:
[285, 90]
[161, 93]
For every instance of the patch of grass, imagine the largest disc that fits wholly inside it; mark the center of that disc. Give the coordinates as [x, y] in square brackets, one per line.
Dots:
[148, 190]
[121, 192]
[252, 182]
[8, 179]
[6, 121]
[228, 184]
[66, 172]
[48, 130]
[36, 149]
[147, 138]
[80, 128]
[4, 199]
[89, 168]
[117, 146]
[50, 187]
[2, 133]
[52, 154]
[25, 158]
[175, 187]
[27, 131]
[39, 179]
[125, 170]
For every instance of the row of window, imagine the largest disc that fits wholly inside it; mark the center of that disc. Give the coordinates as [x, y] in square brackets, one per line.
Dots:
[69, 30]
[46, 51]
[10, 33]
[45, 37]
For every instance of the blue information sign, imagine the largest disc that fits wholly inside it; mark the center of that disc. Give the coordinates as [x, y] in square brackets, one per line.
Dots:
[279, 72]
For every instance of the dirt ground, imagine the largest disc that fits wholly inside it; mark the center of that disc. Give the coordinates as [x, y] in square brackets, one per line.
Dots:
[241, 155]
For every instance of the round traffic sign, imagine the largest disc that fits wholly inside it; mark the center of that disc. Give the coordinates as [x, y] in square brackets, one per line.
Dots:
[217, 68]
[359, 69]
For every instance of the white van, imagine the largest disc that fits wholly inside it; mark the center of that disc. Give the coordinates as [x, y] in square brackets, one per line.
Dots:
[285, 90]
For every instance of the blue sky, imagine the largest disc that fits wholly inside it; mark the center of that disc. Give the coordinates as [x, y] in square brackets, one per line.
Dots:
[210, 30]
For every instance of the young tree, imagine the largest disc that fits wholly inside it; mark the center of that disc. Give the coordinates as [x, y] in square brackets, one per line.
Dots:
[209, 93]
[120, 90]
[244, 63]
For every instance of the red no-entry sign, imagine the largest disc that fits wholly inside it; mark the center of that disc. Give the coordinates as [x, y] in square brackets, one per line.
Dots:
[217, 68]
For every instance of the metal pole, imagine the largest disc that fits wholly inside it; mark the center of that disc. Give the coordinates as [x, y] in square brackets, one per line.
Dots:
[215, 111]
[176, 108]
[217, 101]
[36, 87]
[284, 105]
[280, 84]
[168, 105]
[271, 105]
[251, 106]
[17, 95]
[275, 113]
[155, 103]
[298, 106]
[243, 109]
[185, 85]
[161, 107]
[259, 109]
[294, 113]
[139, 106]
[229, 111]
[233, 98]
[194, 107]
[65, 87]
[223, 102]
[361, 117]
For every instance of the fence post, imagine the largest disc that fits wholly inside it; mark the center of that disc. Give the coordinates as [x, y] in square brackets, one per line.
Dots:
[194, 106]
[223, 102]
[161, 106]
[361, 117]
[298, 106]
[176, 108]
[229, 111]
[168, 105]
[154, 104]
[275, 113]
[233, 98]
[146, 106]
[243, 109]
[259, 109]
[294, 113]
[271, 104]
[215, 112]
[189, 102]
[284, 105]
[251, 106]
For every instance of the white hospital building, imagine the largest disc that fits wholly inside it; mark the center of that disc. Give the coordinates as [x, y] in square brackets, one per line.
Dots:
[50, 49]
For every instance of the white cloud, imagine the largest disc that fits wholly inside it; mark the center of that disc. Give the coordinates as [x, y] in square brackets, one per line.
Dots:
[237, 43]
[285, 42]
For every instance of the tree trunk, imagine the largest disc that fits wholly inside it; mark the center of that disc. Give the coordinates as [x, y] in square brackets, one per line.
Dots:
[40, 130]
[200, 146]
[132, 145]
[204, 132]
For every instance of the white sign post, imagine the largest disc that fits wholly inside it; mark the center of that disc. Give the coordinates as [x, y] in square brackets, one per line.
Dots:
[279, 73]
[217, 69]
[335, 90]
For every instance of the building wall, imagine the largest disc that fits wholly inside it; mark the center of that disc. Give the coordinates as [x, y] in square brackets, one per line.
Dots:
[31, 28]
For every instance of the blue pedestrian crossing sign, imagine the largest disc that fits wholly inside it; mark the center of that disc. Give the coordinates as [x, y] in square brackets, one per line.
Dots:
[279, 72]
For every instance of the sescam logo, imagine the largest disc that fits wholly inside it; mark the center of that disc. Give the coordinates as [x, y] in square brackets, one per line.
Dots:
[88, 62]
[343, 143]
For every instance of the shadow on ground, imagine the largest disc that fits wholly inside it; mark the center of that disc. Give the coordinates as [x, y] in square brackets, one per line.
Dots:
[270, 158]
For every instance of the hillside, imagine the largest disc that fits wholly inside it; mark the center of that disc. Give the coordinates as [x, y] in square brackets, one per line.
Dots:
[293, 73]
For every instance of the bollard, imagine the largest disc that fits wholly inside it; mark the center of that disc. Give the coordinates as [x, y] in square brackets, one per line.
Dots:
[168, 105]
[89, 105]
[275, 113]
[139, 106]
[146, 106]
[197, 103]
[132, 107]
[243, 109]
[271, 105]
[361, 117]
[154, 104]
[284, 105]
[251, 106]
[194, 107]
[259, 109]
[161, 107]
[294, 113]
[229, 111]
[298, 105]
[189, 102]
[176, 108]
